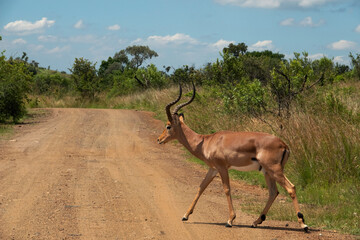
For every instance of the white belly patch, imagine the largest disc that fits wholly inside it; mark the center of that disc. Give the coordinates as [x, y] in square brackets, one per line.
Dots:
[252, 167]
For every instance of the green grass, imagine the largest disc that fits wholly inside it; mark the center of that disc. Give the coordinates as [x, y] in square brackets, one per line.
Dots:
[254, 178]
[5, 130]
[193, 159]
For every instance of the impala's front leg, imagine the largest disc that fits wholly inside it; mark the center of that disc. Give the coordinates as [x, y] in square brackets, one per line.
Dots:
[226, 184]
[207, 180]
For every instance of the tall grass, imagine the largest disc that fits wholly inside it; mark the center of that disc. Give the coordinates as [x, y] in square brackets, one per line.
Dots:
[323, 134]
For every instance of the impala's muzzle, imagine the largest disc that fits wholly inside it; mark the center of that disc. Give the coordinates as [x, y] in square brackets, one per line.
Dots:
[159, 141]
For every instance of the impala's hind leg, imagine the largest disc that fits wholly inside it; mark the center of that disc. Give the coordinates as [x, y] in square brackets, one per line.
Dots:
[290, 188]
[273, 192]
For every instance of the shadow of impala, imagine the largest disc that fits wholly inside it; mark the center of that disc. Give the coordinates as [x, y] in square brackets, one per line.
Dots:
[258, 227]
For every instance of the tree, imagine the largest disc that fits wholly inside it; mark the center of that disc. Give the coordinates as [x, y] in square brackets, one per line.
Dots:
[25, 57]
[119, 62]
[324, 66]
[131, 57]
[355, 62]
[341, 68]
[85, 78]
[139, 55]
[290, 80]
[236, 50]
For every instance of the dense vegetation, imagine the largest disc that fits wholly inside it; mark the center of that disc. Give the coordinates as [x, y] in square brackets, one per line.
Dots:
[314, 105]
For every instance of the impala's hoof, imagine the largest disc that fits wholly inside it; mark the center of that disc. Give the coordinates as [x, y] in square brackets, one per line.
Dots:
[184, 219]
[253, 226]
[306, 229]
[228, 225]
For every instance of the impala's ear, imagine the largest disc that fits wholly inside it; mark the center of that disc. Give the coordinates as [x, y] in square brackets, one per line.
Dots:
[181, 117]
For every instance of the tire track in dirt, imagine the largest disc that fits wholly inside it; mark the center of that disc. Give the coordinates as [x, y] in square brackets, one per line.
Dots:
[99, 174]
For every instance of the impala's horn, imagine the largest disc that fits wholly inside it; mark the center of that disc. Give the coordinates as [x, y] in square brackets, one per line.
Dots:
[167, 108]
[187, 103]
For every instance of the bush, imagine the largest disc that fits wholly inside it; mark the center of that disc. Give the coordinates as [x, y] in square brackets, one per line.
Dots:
[152, 77]
[14, 84]
[246, 97]
[86, 81]
[124, 83]
[51, 83]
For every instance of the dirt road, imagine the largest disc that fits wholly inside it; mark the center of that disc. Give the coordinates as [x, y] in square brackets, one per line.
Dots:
[99, 174]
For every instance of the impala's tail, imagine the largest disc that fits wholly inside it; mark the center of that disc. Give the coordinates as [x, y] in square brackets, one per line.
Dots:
[285, 157]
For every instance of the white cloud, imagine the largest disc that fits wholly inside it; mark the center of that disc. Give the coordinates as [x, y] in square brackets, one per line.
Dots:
[178, 39]
[262, 45]
[47, 38]
[308, 22]
[114, 27]
[276, 3]
[312, 3]
[219, 45]
[340, 59]
[58, 50]
[79, 24]
[288, 22]
[316, 56]
[19, 41]
[22, 27]
[180, 48]
[138, 41]
[171, 41]
[357, 29]
[35, 48]
[252, 3]
[342, 45]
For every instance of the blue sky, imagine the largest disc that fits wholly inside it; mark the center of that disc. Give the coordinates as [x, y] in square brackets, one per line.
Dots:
[190, 32]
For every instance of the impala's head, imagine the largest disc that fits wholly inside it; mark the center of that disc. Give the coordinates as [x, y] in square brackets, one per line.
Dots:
[174, 119]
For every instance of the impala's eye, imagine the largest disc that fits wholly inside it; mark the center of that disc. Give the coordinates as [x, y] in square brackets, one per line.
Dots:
[168, 127]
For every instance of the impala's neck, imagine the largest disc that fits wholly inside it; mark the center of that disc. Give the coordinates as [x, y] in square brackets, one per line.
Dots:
[191, 140]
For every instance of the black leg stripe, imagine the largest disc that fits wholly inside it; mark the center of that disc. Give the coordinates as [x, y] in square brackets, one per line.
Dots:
[300, 215]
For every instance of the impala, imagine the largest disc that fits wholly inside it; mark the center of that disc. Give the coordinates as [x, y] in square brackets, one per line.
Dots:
[243, 151]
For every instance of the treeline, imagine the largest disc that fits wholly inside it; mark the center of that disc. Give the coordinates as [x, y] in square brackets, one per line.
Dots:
[251, 82]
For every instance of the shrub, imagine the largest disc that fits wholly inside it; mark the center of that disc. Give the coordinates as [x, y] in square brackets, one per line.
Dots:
[51, 83]
[151, 76]
[85, 78]
[246, 97]
[14, 84]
